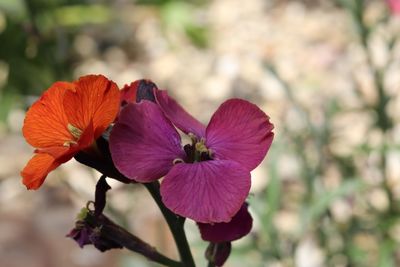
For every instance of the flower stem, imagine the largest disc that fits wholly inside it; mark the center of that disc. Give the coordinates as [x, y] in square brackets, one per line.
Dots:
[110, 234]
[175, 224]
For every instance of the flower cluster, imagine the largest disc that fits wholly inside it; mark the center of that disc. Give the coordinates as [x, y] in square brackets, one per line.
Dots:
[206, 180]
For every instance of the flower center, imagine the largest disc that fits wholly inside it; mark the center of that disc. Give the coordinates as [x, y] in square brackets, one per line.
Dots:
[196, 151]
[75, 132]
[201, 152]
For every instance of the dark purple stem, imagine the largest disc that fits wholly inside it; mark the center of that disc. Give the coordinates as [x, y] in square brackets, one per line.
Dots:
[113, 232]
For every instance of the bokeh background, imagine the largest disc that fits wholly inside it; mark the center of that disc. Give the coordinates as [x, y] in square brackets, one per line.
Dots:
[327, 73]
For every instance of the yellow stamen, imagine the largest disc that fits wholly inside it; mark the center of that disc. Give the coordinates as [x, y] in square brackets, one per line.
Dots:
[76, 132]
[201, 146]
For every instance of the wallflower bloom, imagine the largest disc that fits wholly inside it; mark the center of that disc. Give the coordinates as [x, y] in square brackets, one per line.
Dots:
[207, 180]
[238, 227]
[221, 235]
[67, 118]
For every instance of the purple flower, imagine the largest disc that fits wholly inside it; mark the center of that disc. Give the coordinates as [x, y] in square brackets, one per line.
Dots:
[207, 180]
[94, 230]
[238, 227]
[221, 235]
[81, 234]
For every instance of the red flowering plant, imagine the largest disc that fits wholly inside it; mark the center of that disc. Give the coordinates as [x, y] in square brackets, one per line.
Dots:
[131, 135]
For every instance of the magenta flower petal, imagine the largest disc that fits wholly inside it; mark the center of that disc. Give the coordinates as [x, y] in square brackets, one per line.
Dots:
[144, 143]
[208, 191]
[178, 116]
[239, 226]
[239, 131]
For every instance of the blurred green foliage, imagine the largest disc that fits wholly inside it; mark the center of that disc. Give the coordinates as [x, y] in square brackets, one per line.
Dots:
[35, 41]
[36, 38]
[178, 15]
[366, 238]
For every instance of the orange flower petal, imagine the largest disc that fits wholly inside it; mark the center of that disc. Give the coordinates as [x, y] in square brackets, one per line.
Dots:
[45, 122]
[58, 152]
[95, 99]
[36, 170]
[87, 136]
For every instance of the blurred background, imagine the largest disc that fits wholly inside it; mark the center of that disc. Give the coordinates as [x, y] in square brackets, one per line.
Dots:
[326, 72]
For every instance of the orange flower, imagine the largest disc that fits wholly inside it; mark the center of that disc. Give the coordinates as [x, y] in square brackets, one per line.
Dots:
[67, 118]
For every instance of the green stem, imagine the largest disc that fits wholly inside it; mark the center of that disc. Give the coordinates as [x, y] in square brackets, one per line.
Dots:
[175, 224]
